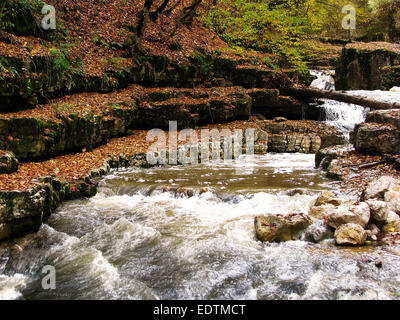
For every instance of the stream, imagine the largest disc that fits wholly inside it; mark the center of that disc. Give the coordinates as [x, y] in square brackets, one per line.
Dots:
[187, 232]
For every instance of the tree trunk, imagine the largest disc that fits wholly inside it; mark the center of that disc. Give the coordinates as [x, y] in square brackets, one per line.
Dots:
[307, 93]
[141, 26]
[187, 16]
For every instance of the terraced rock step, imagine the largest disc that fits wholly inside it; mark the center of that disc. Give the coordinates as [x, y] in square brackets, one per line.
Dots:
[25, 211]
[27, 78]
[72, 124]
[270, 103]
[300, 136]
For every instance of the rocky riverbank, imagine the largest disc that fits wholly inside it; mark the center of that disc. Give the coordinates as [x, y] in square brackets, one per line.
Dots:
[366, 208]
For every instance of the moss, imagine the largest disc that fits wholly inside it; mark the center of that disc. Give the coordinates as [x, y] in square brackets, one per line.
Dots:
[21, 17]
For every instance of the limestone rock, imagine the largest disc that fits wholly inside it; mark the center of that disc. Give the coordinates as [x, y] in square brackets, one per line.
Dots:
[350, 234]
[334, 170]
[392, 198]
[324, 156]
[376, 138]
[322, 211]
[349, 213]
[380, 211]
[327, 197]
[378, 187]
[360, 65]
[8, 162]
[278, 228]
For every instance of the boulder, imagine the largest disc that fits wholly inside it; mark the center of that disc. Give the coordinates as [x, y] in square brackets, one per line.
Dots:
[376, 138]
[381, 212]
[324, 156]
[379, 134]
[377, 188]
[334, 170]
[350, 234]
[384, 116]
[327, 197]
[8, 162]
[278, 228]
[322, 211]
[392, 198]
[349, 213]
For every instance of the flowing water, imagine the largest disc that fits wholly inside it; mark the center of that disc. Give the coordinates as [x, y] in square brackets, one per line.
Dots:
[187, 232]
[344, 116]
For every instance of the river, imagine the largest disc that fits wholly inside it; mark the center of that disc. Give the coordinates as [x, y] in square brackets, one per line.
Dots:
[187, 232]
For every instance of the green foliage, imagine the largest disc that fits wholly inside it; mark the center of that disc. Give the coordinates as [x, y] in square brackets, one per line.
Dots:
[262, 26]
[7, 69]
[20, 17]
[61, 63]
[281, 27]
[386, 22]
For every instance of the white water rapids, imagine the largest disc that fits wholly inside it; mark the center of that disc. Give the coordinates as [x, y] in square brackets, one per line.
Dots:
[137, 239]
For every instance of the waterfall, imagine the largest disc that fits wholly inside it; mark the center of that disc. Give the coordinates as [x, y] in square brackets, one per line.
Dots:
[343, 116]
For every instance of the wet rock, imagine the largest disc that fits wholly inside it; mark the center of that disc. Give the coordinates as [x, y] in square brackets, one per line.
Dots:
[317, 232]
[378, 187]
[179, 191]
[378, 264]
[261, 135]
[349, 213]
[294, 143]
[324, 156]
[296, 191]
[334, 170]
[327, 197]
[278, 228]
[8, 162]
[260, 148]
[350, 234]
